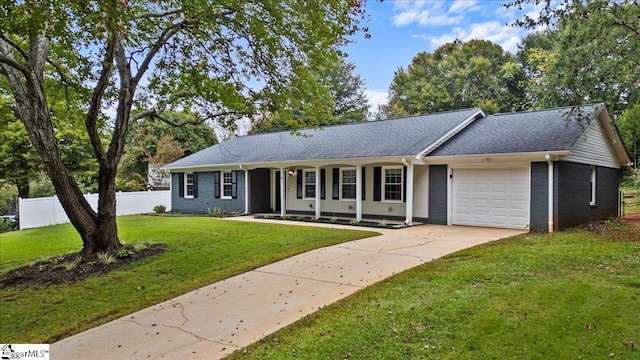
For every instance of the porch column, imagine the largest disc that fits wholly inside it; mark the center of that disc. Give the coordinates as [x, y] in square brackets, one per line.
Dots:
[550, 194]
[409, 199]
[246, 191]
[318, 187]
[359, 193]
[283, 188]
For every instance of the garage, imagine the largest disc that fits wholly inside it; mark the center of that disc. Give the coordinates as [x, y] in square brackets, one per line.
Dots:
[491, 197]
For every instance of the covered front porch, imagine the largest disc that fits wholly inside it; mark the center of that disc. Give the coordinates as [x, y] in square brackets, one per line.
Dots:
[383, 190]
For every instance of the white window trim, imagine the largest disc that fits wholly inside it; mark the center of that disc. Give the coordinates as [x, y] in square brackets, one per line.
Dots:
[384, 183]
[341, 177]
[592, 181]
[304, 185]
[186, 185]
[222, 183]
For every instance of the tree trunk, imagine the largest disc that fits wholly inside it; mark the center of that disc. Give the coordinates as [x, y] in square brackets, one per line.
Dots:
[105, 236]
[23, 189]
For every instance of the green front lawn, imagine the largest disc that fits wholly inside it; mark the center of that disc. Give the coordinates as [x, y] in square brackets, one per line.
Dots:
[567, 295]
[200, 250]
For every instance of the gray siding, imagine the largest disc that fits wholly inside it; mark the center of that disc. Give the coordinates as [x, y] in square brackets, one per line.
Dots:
[438, 194]
[539, 211]
[594, 148]
[206, 199]
[573, 194]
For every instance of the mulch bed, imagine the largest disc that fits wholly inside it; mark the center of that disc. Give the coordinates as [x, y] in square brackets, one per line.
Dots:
[53, 271]
[619, 229]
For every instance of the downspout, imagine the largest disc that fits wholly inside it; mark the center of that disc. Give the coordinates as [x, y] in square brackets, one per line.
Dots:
[409, 199]
[550, 190]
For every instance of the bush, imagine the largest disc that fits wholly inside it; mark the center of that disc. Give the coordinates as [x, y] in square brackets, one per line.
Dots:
[159, 209]
[5, 226]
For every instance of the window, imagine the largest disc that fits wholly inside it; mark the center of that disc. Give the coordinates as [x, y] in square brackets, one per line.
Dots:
[309, 184]
[227, 185]
[188, 185]
[593, 186]
[392, 184]
[348, 185]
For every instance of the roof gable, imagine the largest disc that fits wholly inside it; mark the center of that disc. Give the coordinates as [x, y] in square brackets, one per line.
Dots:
[552, 130]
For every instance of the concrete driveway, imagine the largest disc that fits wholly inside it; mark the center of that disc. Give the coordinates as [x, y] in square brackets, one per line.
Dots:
[216, 320]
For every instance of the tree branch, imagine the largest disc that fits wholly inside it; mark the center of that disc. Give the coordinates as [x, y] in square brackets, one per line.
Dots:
[96, 99]
[150, 15]
[14, 45]
[166, 34]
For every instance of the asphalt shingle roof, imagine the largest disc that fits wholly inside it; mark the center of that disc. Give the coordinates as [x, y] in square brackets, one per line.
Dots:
[533, 131]
[393, 137]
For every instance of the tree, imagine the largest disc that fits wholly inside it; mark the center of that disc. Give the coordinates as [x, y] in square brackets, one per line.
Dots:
[19, 161]
[225, 59]
[167, 150]
[629, 125]
[588, 52]
[457, 75]
[143, 138]
[343, 101]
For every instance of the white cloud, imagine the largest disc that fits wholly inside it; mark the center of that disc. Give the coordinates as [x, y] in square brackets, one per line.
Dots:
[463, 6]
[376, 97]
[423, 13]
[504, 35]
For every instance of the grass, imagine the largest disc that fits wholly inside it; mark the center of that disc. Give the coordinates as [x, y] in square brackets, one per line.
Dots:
[200, 250]
[567, 295]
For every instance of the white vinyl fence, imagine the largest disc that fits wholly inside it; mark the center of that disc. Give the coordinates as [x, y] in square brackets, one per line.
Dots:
[39, 212]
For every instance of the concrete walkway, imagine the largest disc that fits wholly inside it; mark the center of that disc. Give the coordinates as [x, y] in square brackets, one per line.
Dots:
[216, 320]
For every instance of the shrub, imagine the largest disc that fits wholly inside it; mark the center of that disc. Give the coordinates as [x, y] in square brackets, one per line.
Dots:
[5, 226]
[214, 211]
[382, 223]
[137, 247]
[334, 219]
[70, 265]
[159, 209]
[106, 258]
[354, 222]
[124, 252]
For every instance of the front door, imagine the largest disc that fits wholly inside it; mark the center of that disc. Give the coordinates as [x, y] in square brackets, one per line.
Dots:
[277, 183]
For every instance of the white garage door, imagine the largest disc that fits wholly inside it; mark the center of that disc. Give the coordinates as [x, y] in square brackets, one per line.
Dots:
[491, 197]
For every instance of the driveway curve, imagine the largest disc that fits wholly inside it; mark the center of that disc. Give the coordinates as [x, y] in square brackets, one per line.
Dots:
[215, 320]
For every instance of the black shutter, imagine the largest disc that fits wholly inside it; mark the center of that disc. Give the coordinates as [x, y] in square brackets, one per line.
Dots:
[234, 184]
[216, 184]
[195, 185]
[362, 177]
[335, 182]
[323, 179]
[404, 184]
[377, 183]
[299, 184]
[180, 184]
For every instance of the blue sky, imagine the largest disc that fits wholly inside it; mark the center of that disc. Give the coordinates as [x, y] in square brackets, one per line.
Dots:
[401, 29]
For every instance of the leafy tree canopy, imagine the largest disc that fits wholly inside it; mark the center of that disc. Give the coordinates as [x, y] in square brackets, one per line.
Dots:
[145, 135]
[457, 75]
[343, 102]
[587, 52]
